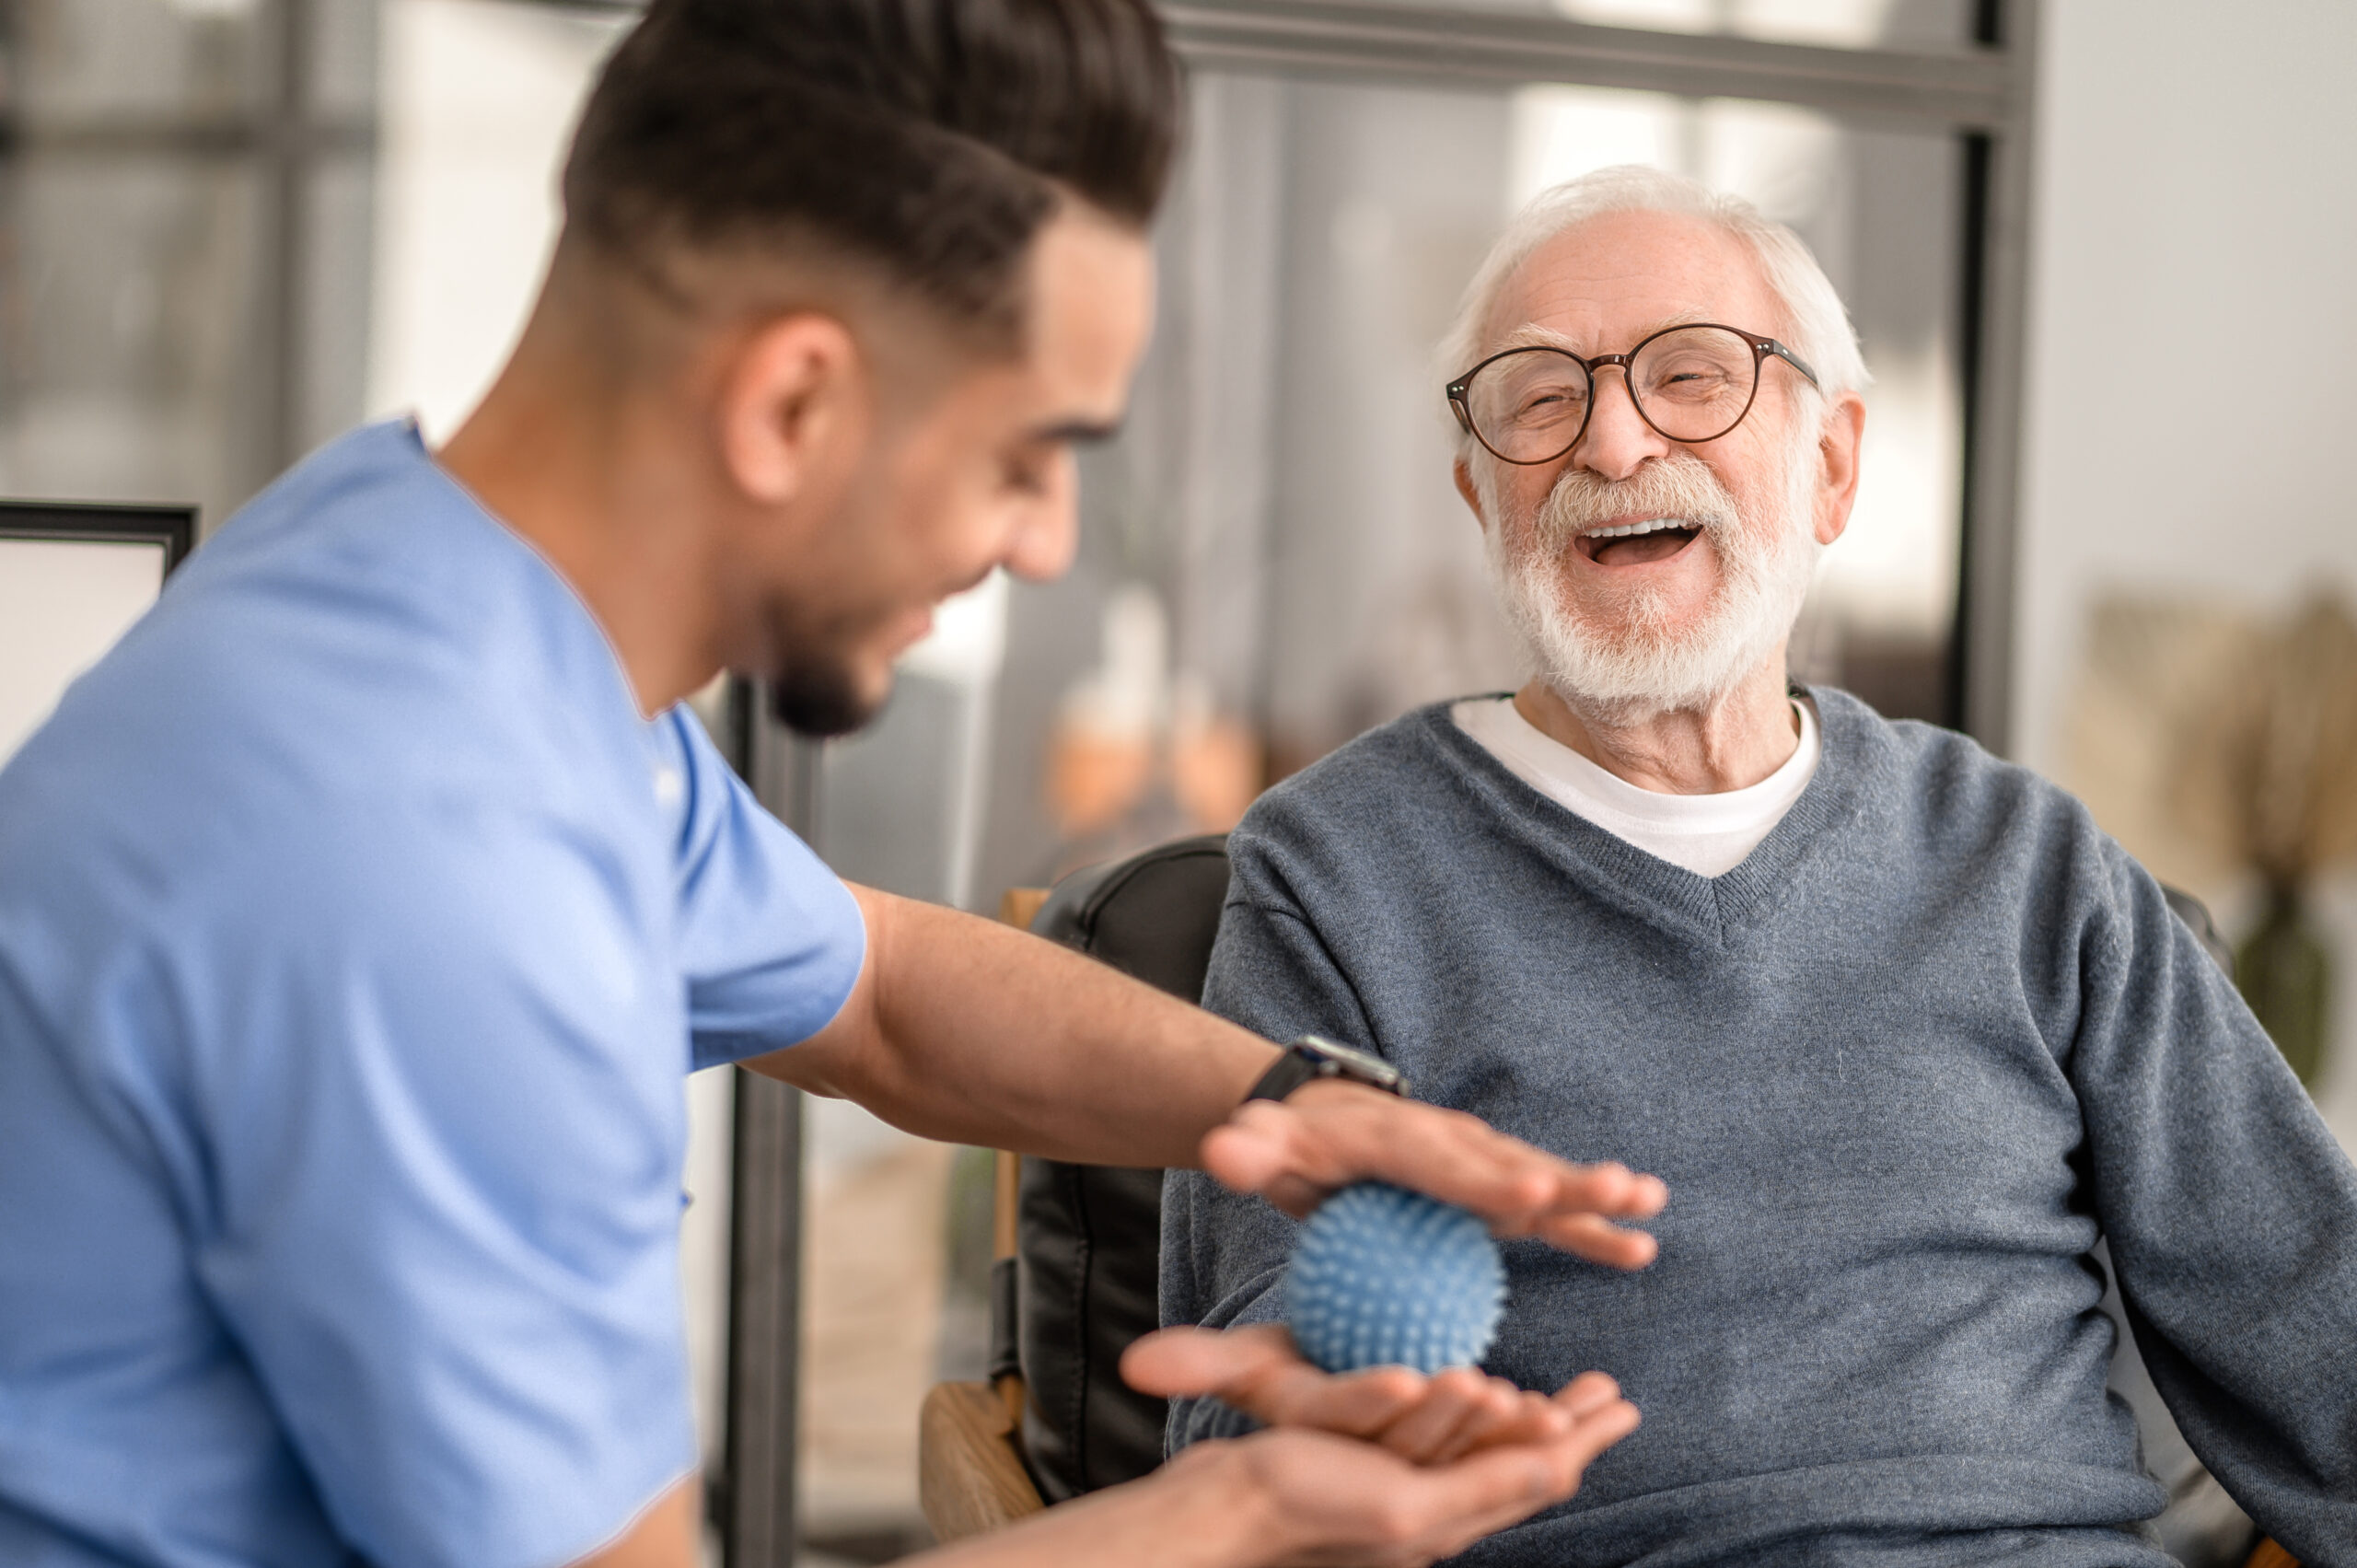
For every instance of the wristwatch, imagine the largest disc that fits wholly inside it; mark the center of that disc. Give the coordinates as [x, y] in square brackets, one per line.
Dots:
[1310, 1057]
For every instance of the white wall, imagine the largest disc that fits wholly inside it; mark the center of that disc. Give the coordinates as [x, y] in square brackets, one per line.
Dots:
[2193, 340]
[478, 102]
[2193, 329]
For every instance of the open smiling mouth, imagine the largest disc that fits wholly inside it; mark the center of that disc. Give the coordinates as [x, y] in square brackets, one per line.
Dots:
[1637, 544]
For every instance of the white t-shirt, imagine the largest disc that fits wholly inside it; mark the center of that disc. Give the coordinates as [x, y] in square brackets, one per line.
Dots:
[1707, 835]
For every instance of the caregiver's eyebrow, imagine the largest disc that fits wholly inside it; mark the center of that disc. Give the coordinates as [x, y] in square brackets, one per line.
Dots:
[1076, 431]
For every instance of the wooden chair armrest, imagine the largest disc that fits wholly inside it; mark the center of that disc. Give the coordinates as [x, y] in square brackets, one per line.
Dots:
[1018, 906]
[970, 1477]
[2270, 1555]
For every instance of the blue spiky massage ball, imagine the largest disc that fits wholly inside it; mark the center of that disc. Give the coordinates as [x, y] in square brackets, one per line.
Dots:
[1386, 1277]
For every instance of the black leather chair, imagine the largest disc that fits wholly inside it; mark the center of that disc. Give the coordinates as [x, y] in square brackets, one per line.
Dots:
[2196, 914]
[1083, 1254]
[1088, 1238]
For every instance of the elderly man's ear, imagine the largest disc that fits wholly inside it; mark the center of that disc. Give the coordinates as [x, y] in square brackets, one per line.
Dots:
[1837, 451]
[1464, 474]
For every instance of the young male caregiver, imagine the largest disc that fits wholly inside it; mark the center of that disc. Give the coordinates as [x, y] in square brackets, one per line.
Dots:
[357, 921]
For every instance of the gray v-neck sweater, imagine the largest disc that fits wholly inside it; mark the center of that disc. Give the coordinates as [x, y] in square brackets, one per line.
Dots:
[1901, 1069]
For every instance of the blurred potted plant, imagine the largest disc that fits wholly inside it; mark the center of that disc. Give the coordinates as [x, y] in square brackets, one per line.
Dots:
[2217, 746]
[2294, 750]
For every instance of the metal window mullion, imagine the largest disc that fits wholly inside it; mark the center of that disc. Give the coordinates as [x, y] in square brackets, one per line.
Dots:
[286, 173]
[753, 1499]
[1986, 587]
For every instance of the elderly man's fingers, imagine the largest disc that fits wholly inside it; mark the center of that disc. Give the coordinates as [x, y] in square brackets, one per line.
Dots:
[1340, 1501]
[1428, 1512]
[1524, 1418]
[1454, 1400]
[1561, 1466]
[1446, 1509]
[1586, 1394]
[1597, 1430]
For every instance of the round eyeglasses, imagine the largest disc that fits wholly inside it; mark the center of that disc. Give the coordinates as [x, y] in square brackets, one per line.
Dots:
[1692, 384]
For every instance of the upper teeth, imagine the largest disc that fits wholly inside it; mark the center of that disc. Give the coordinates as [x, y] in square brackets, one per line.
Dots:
[1651, 524]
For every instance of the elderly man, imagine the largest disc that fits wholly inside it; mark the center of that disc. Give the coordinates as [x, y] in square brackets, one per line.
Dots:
[1903, 1031]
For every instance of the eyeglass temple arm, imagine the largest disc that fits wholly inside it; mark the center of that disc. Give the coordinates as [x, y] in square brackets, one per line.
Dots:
[1795, 360]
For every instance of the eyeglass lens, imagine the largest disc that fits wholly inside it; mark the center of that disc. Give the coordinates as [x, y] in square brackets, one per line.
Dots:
[1693, 383]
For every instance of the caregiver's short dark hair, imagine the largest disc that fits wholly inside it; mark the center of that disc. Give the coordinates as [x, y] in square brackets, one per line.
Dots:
[927, 138]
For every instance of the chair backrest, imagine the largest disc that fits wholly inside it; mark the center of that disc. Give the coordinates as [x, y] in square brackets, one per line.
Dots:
[1089, 1237]
[2196, 914]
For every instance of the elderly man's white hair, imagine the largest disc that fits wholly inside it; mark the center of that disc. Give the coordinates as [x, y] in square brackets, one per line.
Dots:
[1816, 327]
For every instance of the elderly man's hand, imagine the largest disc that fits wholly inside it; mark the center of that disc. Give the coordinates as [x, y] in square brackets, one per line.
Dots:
[1327, 1134]
[1439, 1462]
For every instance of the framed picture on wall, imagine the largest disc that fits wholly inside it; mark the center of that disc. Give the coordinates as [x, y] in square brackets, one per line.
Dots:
[73, 578]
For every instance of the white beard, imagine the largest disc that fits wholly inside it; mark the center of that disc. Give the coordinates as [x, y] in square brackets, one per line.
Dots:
[1636, 665]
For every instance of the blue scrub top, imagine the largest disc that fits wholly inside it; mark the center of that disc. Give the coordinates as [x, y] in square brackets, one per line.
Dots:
[355, 936]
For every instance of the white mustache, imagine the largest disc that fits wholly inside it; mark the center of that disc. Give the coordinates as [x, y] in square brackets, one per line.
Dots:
[1679, 485]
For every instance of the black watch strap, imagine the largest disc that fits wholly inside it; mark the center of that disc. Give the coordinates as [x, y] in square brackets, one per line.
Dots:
[1310, 1057]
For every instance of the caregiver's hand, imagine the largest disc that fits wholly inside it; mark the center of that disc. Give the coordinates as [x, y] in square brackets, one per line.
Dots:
[1329, 1133]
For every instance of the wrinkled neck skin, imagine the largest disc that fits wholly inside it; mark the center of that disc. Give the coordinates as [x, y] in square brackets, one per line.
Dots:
[1734, 742]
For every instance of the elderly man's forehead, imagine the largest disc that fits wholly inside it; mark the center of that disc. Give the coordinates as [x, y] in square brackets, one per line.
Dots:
[1624, 274]
[1533, 334]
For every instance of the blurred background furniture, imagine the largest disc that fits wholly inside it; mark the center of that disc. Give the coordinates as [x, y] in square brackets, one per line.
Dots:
[73, 578]
[2220, 745]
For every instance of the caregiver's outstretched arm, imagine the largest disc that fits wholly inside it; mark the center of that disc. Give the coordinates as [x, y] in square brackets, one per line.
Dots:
[965, 1030]
[1282, 1496]
[1291, 1496]
[1298, 1497]
[1275, 1498]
